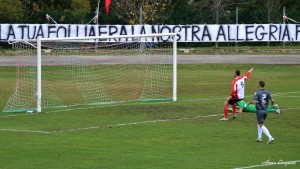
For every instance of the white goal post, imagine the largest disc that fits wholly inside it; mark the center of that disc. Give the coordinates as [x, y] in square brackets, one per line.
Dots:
[80, 71]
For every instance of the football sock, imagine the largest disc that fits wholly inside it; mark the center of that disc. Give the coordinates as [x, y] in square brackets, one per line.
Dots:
[234, 109]
[259, 131]
[266, 132]
[225, 111]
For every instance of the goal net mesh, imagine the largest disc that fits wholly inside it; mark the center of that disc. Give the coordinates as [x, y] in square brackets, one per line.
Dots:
[88, 72]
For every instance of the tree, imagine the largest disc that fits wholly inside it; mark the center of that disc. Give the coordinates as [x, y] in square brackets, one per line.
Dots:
[66, 11]
[80, 8]
[142, 11]
[221, 7]
[184, 12]
[36, 10]
[11, 11]
[273, 8]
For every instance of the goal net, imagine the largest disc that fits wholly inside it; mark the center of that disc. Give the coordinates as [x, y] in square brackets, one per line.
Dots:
[64, 72]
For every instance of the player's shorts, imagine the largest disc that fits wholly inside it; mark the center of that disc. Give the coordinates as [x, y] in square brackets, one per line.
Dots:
[232, 101]
[261, 115]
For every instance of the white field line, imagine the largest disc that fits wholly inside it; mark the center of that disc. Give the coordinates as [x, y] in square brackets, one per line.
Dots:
[275, 94]
[288, 96]
[118, 125]
[16, 115]
[110, 126]
[287, 93]
[282, 163]
[113, 105]
[125, 124]
[78, 108]
[26, 131]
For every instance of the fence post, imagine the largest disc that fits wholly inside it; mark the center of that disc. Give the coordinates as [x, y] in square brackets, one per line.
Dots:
[283, 20]
[236, 22]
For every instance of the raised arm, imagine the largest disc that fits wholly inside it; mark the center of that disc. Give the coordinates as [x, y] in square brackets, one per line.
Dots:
[248, 73]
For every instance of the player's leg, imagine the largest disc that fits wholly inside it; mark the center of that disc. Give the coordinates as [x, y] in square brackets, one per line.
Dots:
[273, 109]
[267, 133]
[260, 123]
[278, 110]
[233, 102]
[225, 110]
[229, 101]
[263, 116]
[259, 133]
[234, 110]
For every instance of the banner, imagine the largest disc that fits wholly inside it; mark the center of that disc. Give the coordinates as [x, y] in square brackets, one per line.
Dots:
[185, 33]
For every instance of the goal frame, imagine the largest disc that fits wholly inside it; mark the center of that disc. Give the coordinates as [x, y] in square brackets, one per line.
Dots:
[39, 59]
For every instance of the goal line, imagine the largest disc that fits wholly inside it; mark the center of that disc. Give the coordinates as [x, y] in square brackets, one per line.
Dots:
[78, 71]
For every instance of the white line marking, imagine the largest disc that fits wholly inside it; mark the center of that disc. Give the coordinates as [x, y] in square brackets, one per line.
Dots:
[288, 96]
[85, 108]
[288, 92]
[26, 131]
[112, 105]
[250, 166]
[273, 163]
[109, 126]
[117, 125]
[292, 108]
[16, 115]
[134, 123]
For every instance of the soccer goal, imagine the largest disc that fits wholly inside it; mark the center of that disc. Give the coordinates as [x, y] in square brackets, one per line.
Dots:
[65, 72]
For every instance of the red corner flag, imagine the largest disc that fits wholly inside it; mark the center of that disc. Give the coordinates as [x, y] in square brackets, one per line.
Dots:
[107, 4]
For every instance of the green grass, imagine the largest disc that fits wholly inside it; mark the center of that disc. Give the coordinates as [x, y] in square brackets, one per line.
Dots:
[98, 141]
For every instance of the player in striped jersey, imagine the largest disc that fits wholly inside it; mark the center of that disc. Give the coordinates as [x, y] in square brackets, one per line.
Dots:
[237, 92]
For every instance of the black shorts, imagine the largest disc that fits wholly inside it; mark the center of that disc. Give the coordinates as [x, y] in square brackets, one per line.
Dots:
[261, 115]
[232, 101]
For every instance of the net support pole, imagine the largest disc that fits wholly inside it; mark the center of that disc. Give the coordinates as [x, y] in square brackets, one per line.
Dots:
[174, 68]
[39, 77]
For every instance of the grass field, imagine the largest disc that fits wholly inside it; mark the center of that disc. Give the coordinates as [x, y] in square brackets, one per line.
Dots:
[186, 134]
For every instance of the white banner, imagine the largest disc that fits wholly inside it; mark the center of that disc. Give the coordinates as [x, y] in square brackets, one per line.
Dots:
[185, 33]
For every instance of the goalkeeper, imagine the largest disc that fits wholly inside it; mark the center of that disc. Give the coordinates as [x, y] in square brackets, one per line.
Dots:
[242, 106]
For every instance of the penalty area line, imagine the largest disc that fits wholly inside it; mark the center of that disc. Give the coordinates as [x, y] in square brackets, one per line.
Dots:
[135, 123]
[110, 126]
[26, 131]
